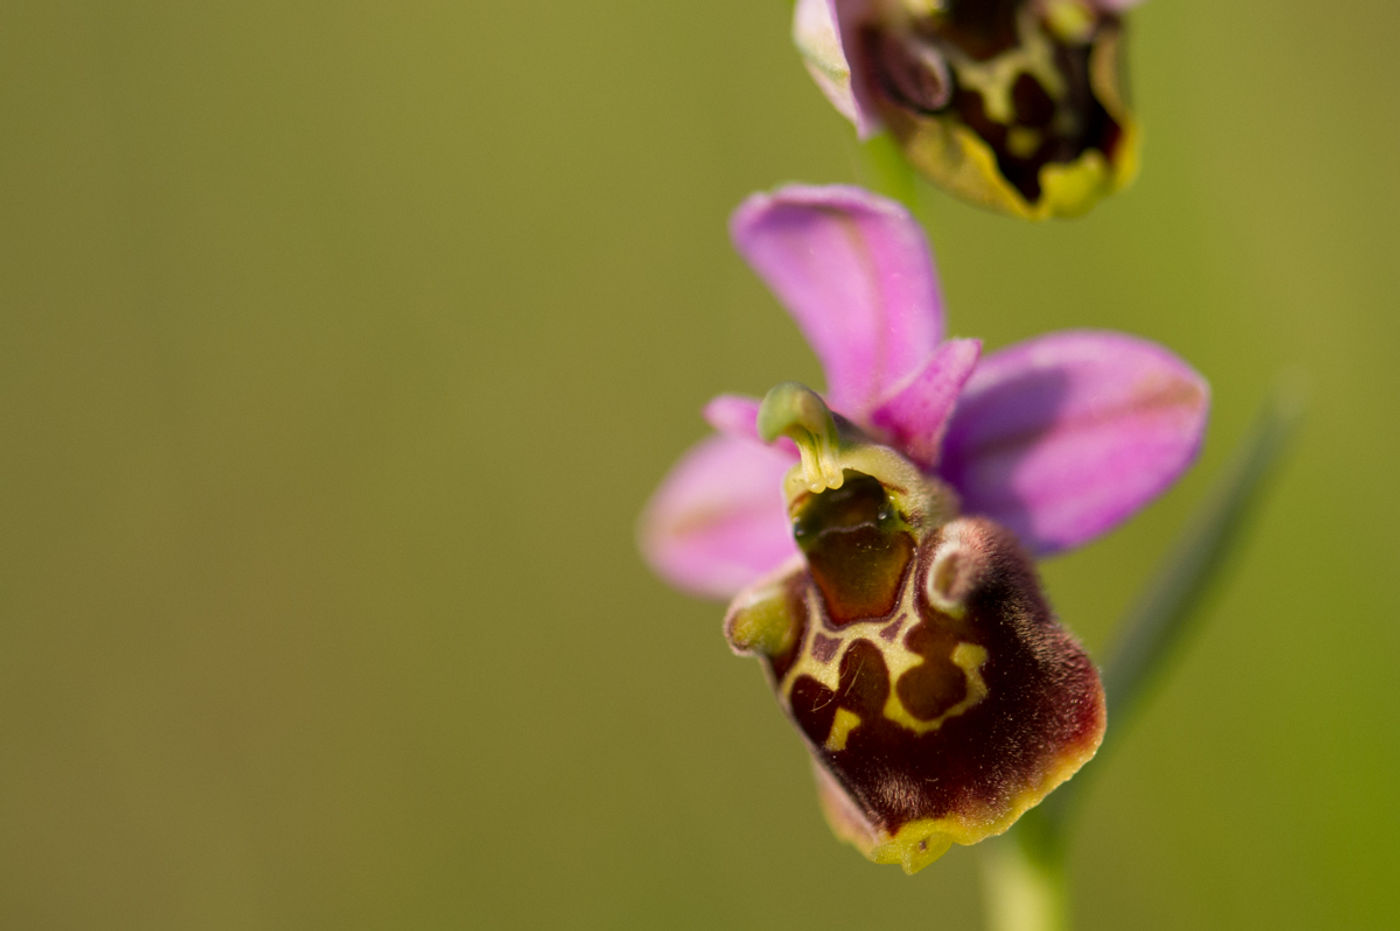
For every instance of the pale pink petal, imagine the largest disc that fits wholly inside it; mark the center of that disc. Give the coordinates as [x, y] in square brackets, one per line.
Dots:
[916, 416]
[1064, 436]
[855, 272]
[734, 415]
[718, 520]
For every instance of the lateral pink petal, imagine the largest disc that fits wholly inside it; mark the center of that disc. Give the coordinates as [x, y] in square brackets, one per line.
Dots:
[855, 272]
[1062, 437]
[734, 415]
[718, 520]
[916, 416]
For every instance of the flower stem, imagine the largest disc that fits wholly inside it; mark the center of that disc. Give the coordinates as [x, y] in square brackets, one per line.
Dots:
[1024, 881]
[1154, 630]
[885, 169]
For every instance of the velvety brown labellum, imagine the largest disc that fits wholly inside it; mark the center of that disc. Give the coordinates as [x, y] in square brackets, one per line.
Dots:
[944, 718]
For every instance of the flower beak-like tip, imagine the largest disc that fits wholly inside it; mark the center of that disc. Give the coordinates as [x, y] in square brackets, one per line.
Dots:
[832, 451]
[797, 412]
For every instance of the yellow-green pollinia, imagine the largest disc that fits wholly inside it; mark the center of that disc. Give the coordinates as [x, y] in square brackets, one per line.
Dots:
[912, 648]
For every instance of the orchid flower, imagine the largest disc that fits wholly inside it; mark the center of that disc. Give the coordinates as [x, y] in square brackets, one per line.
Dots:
[1016, 105]
[878, 553]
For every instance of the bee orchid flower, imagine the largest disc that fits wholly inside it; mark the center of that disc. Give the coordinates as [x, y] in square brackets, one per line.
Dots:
[1016, 105]
[876, 541]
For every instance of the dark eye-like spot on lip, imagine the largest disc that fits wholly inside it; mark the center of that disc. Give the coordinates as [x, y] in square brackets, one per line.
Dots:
[1034, 106]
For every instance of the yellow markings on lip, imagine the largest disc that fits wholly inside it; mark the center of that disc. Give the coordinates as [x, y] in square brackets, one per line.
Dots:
[1033, 54]
[841, 727]
[1022, 141]
[826, 673]
[968, 657]
[899, 659]
[925, 7]
[1070, 20]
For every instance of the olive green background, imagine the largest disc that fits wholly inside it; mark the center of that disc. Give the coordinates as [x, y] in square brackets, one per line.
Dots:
[340, 345]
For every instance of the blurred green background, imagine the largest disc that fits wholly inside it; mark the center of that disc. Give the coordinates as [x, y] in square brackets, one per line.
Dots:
[340, 345]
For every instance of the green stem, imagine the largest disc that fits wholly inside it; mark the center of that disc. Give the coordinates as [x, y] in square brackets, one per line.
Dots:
[1156, 627]
[885, 169]
[1024, 882]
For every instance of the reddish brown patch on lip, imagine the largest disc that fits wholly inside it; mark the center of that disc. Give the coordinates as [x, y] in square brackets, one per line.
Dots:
[937, 684]
[824, 648]
[856, 549]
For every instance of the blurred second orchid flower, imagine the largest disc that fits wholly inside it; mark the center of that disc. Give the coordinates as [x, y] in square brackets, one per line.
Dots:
[1016, 105]
[878, 555]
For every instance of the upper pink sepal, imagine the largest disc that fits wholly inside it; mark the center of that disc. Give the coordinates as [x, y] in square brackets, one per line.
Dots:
[855, 272]
[1061, 437]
